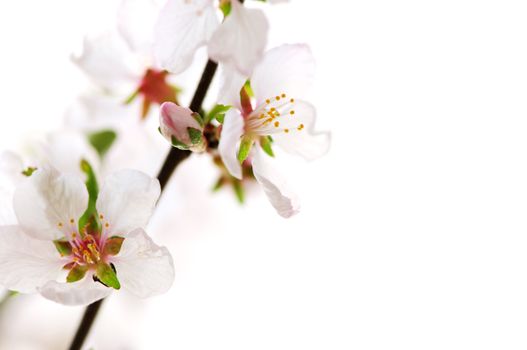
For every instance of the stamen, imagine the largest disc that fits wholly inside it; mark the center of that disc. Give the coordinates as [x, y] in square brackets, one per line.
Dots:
[276, 124]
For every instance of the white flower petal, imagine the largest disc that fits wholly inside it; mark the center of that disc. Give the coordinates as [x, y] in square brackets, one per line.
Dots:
[46, 202]
[136, 20]
[232, 83]
[83, 292]
[127, 200]
[26, 263]
[274, 185]
[241, 39]
[109, 63]
[305, 142]
[182, 27]
[288, 69]
[143, 268]
[11, 167]
[231, 133]
[64, 150]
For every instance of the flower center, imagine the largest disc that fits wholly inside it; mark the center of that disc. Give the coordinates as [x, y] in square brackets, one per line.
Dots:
[277, 114]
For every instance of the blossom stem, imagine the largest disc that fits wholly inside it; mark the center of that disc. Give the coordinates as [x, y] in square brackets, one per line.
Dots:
[86, 323]
[173, 159]
[176, 156]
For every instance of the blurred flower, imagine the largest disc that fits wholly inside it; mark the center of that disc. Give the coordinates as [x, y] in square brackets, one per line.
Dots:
[184, 26]
[182, 127]
[75, 250]
[113, 66]
[278, 118]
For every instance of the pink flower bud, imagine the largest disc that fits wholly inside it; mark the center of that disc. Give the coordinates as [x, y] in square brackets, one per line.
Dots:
[182, 127]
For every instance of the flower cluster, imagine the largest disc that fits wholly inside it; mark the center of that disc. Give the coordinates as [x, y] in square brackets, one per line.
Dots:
[64, 238]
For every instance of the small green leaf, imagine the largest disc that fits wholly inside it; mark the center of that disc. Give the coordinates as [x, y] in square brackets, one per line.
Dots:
[106, 275]
[77, 273]
[63, 247]
[90, 216]
[29, 171]
[195, 135]
[113, 245]
[245, 148]
[266, 144]
[102, 141]
[198, 118]
[238, 190]
[178, 144]
[218, 113]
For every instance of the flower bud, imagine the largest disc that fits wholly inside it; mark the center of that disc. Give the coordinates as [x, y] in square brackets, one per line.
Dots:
[182, 127]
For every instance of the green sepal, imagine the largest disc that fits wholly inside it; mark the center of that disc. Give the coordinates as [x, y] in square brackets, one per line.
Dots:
[226, 8]
[266, 144]
[63, 247]
[238, 190]
[219, 184]
[178, 144]
[77, 273]
[102, 141]
[248, 88]
[107, 276]
[195, 135]
[29, 171]
[197, 117]
[218, 113]
[245, 147]
[113, 245]
[132, 97]
[90, 217]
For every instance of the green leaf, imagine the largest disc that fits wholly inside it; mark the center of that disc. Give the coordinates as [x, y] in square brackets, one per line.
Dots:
[90, 217]
[28, 171]
[63, 247]
[106, 275]
[245, 148]
[238, 190]
[113, 245]
[102, 141]
[198, 118]
[218, 113]
[77, 273]
[266, 144]
[178, 144]
[195, 135]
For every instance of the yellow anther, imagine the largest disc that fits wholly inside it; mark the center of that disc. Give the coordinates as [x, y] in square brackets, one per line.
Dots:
[276, 124]
[277, 98]
[268, 101]
[106, 225]
[292, 112]
[60, 224]
[292, 100]
[75, 251]
[262, 116]
[273, 109]
[74, 235]
[72, 221]
[286, 130]
[300, 127]
[101, 216]
[283, 95]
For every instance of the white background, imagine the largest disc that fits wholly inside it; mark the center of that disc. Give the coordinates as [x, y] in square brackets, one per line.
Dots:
[412, 233]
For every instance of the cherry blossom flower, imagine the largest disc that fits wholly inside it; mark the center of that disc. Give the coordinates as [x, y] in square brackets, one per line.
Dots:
[111, 64]
[186, 25]
[276, 116]
[52, 252]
